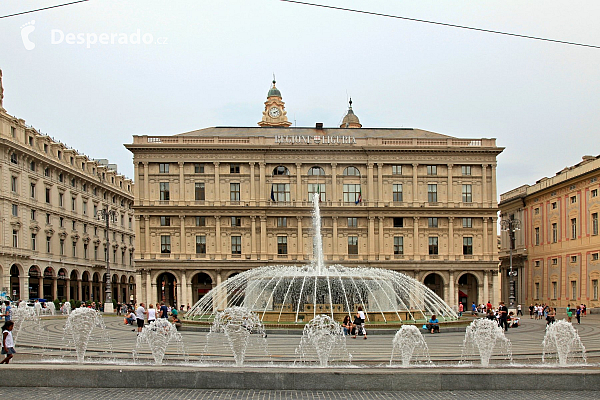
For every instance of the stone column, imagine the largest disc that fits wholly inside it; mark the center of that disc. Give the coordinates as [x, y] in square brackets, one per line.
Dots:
[68, 294]
[380, 184]
[451, 252]
[179, 294]
[138, 288]
[495, 288]
[334, 197]
[219, 295]
[486, 287]
[452, 294]
[298, 183]
[91, 293]
[148, 288]
[450, 184]
[253, 237]
[415, 185]
[252, 183]
[264, 248]
[218, 237]
[189, 295]
[371, 237]
[54, 287]
[334, 238]
[300, 244]
[485, 240]
[370, 189]
[79, 290]
[217, 196]
[136, 176]
[416, 254]
[494, 188]
[181, 183]
[138, 234]
[381, 244]
[484, 196]
[182, 244]
[261, 188]
[147, 245]
[24, 285]
[146, 185]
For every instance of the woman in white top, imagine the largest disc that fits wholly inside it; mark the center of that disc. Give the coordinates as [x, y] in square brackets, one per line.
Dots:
[151, 313]
[8, 345]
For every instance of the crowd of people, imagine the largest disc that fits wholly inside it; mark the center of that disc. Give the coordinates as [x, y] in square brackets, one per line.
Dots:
[357, 326]
[137, 316]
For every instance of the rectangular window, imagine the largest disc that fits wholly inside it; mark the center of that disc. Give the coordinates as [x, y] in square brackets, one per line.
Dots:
[165, 221]
[536, 211]
[61, 222]
[281, 222]
[280, 192]
[15, 237]
[163, 168]
[47, 172]
[32, 190]
[61, 248]
[198, 168]
[555, 261]
[200, 244]
[432, 170]
[466, 170]
[573, 228]
[15, 210]
[73, 203]
[397, 192]
[74, 250]
[594, 289]
[130, 222]
[397, 169]
[432, 193]
[398, 222]
[234, 168]
[467, 222]
[537, 290]
[573, 259]
[433, 245]
[351, 193]
[84, 207]
[200, 221]
[13, 131]
[352, 222]
[573, 199]
[164, 191]
[14, 159]
[468, 246]
[352, 244]
[48, 195]
[316, 188]
[234, 191]
[48, 244]
[236, 221]
[13, 184]
[32, 214]
[199, 191]
[95, 252]
[467, 193]
[47, 219]
[595, 193]
[398, 245]
[574, 290]
[554, 290]
[165, 244]
[33, 241]
[537, 236]
[236, 245]
[554, 232]
[432, 222]
[594, 223]
[84, 228]
[61, 198]
[282, 245]
[594, 256]
[554, 205]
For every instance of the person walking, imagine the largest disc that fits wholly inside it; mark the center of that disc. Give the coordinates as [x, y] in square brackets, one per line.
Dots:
[473, 309]
[140, 313]
[164, 311]
[531, 309]
[8, 344]
[151, 313]
[578, 314]
[460, 309]
[503, 310]
[569, 313]
[7, 310]
[519, 311]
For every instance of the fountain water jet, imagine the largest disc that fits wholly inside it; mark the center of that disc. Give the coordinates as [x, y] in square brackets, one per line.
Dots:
[323, 337]
[24, 315]
[563, 342]
[482, 337]
[79, 327]
[409, 345]
[158, 334]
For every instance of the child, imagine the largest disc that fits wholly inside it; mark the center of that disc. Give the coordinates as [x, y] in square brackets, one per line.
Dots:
[8, 345]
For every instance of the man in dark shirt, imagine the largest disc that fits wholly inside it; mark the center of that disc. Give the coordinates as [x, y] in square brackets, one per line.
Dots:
[503, 310]
[164, 312]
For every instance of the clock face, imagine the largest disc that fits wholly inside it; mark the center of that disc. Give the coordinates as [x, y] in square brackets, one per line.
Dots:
[274, 112]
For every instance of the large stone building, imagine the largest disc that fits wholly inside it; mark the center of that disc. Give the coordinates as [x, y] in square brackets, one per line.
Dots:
[52, 243]
[217, 201]
[556, 250]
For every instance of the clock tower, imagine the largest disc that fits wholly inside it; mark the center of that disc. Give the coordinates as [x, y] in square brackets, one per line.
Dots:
[274, 114]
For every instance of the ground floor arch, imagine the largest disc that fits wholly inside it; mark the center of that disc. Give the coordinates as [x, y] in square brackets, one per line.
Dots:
[435, 283]
[15, 283]
[468, 290]
[202, 283]
[166, 285]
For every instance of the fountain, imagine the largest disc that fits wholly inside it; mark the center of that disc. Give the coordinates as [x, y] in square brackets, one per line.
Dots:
[237, 324]
[409, 345]
[79, 328]
[296, 294]
[50, 308]
[324, 339]
[24, 315]
[66, 308]
[37, 306]
[562, 342]
[158, 334]
[482, 337]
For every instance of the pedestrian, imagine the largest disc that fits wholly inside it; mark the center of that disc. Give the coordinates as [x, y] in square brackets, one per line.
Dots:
[584, 309]
[578, 314]
[359, 323]
[503, 310]
[531, 309]
[551, 316]
[460, 309]
[347, 325]
[488, 306]
[519, 311]
[140, 313]
[118, 308]
[540, 311]
[433, 325]
[8, 344]
[151, 313]
[569, 312]
[7, 314]
[188, 306]
[181, 308]
[473, 309]
[164, 311]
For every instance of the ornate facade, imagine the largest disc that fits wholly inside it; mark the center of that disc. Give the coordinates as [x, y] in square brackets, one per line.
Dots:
[556, 250]
[52, 244]
[217, 201]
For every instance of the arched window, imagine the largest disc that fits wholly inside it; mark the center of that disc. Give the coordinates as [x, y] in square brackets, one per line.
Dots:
[316, 171]
[281, 170]
[351, 171]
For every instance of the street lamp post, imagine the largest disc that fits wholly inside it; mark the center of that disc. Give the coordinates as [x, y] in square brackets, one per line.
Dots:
[511, 225]
[107, 215]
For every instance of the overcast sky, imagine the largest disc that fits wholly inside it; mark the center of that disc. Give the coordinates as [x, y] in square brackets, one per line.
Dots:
[214, 60]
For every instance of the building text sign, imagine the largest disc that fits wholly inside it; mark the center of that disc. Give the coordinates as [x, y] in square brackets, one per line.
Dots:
[314, 139]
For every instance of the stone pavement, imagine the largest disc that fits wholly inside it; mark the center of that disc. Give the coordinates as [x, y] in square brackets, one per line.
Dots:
[174, 393]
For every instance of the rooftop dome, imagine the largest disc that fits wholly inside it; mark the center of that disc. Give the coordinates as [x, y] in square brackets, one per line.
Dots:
[350, 120]
[274, 91]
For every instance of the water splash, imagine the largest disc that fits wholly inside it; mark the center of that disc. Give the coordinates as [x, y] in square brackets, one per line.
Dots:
[66, 308]
[483, 338]
[318, 259]
[158, 334]
[563, 343]
[37, 306]
[78, 328]
[238, 324]
[22, 316]
[408, 344]
[324, 338]
[50, 309]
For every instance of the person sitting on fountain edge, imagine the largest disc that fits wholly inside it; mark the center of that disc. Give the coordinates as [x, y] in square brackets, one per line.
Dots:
[347, 325]
[433, 325]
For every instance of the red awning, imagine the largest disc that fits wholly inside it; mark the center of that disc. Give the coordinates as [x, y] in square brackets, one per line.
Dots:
[461, 294]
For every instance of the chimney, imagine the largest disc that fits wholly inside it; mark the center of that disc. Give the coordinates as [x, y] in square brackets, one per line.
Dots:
[319, 126]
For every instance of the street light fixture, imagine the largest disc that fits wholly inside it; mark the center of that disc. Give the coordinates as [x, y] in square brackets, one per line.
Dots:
[511, 225]
[106, 215]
